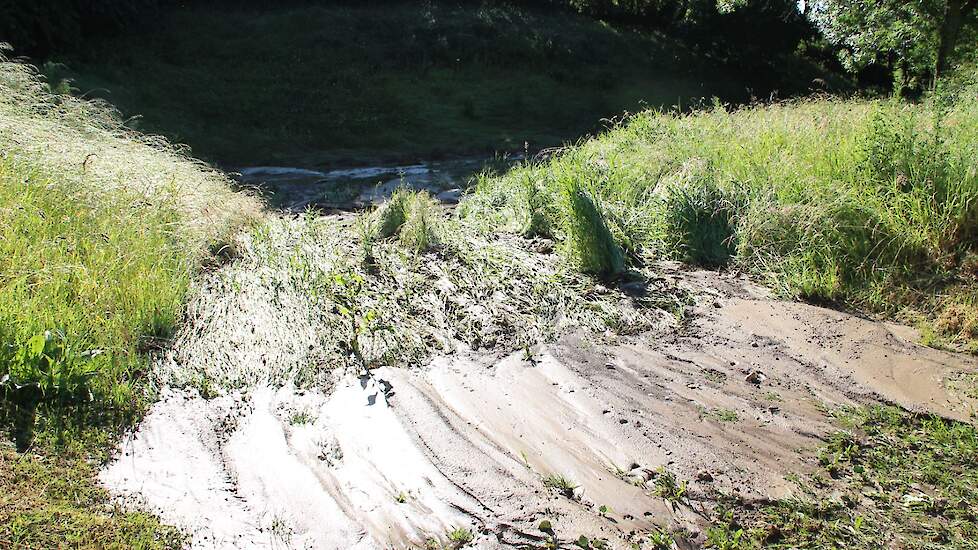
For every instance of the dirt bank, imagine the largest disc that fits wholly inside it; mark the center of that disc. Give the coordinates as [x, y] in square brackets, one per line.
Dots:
[604, 436]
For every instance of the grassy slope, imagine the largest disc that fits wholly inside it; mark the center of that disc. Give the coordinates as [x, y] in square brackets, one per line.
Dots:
[321, 83]
[871, 204]
[100, 235]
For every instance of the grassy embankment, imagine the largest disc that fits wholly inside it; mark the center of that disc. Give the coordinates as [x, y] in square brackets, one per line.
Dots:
[101, 232]
[865, 204]
[306, 84]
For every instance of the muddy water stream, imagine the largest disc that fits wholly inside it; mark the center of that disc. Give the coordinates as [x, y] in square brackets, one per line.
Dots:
[296, 189]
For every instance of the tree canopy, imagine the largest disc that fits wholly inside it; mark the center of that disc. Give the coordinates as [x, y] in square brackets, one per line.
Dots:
[914, 40]
[918, 39]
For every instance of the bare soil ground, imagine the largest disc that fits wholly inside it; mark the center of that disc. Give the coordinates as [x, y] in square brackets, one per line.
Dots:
[598, 434]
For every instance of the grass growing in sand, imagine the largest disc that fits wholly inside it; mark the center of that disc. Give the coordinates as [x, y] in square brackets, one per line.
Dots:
[560, 484]
[869, 203]
[895, 480]
[100, 234]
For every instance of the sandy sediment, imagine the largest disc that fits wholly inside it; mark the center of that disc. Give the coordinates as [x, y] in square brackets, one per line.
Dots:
[734, 401]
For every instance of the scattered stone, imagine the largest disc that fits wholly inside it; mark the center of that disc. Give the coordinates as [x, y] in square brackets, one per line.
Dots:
[450, 196]
[543, 246]
[756, 377]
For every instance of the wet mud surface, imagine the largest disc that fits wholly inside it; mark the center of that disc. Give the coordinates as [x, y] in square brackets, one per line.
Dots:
[732, 402]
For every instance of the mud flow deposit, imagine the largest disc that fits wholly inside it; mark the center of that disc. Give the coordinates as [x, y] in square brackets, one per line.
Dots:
[262, 439]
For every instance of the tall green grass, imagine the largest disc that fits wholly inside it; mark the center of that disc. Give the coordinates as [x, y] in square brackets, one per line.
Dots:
[101, 232]
[104, 279]
[870, 203]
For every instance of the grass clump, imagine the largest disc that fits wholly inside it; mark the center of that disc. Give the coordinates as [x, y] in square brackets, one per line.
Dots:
[560, 484]
[389, 217]
[420, 230]
[412, 216]
[460, 536]
[668, 486]
[588, 236]
[722, 415]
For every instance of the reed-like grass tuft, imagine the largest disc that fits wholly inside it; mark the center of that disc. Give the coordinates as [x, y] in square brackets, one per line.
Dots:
[588, 237]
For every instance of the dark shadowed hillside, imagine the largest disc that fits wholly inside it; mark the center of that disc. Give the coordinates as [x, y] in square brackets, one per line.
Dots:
[322, 82]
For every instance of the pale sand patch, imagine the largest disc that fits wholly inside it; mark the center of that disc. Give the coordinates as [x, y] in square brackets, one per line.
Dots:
[287, 469]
